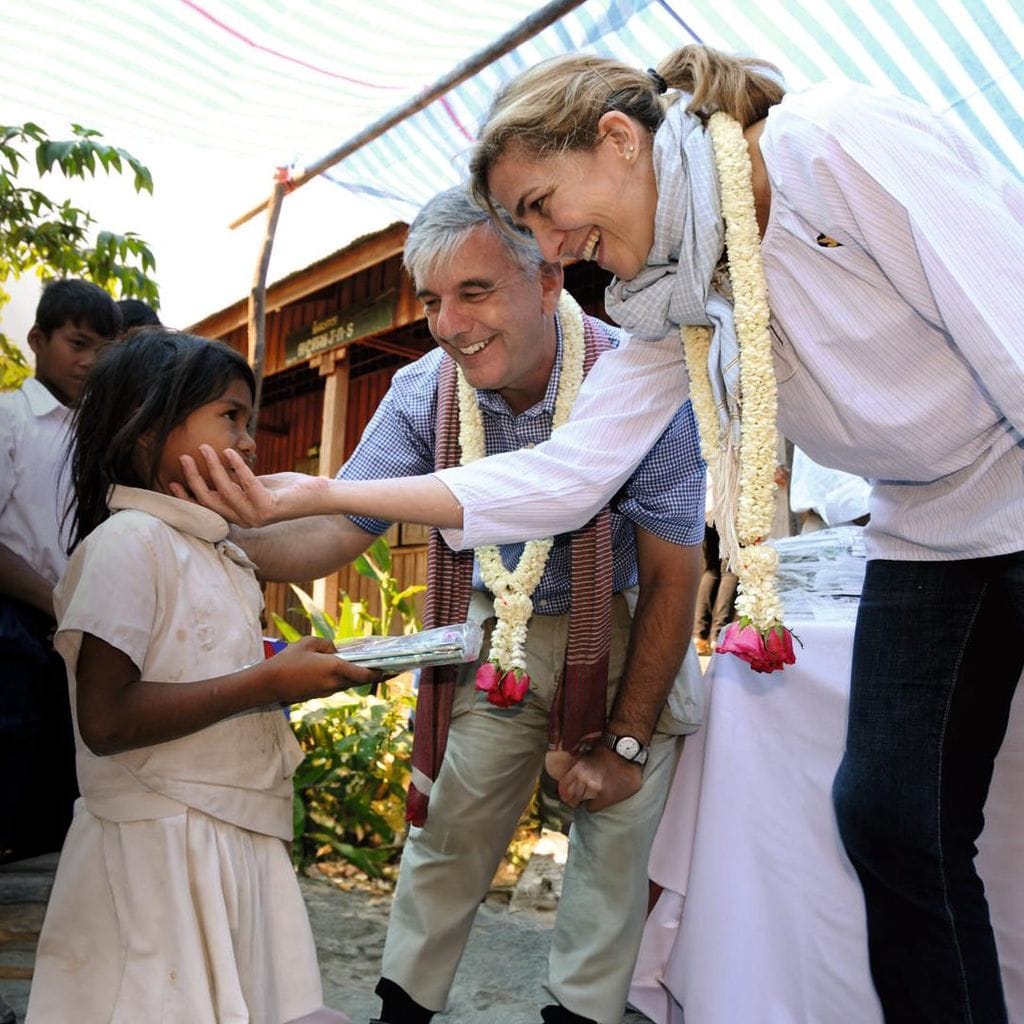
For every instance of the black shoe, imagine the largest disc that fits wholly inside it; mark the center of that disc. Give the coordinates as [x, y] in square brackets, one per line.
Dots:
[560, 1015]
[398, 1007]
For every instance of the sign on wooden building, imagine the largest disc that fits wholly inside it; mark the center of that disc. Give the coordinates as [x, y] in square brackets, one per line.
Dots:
[341, 328]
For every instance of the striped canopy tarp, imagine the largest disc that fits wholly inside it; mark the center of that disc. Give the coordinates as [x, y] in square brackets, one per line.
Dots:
[236, 88]
[962, 56]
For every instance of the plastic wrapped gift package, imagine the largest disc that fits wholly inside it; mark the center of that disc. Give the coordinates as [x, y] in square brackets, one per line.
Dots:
[444, 645]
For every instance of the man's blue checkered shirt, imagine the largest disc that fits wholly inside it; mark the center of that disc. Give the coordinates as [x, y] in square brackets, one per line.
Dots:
[665, 494]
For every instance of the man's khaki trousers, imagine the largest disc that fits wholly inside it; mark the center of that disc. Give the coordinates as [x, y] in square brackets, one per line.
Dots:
[492, 763]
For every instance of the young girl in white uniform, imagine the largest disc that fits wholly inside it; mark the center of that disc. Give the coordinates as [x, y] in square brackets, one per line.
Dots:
[175, 899]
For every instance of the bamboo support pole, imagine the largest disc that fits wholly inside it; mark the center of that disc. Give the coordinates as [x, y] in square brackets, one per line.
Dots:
[526, 29]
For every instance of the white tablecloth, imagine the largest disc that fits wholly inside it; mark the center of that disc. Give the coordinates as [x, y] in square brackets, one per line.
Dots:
[762, 919]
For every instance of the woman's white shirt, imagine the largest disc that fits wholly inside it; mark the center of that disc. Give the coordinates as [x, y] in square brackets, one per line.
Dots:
[624, 405]
[899, 351]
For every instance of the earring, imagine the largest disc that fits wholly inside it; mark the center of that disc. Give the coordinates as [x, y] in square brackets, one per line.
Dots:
[629, 153]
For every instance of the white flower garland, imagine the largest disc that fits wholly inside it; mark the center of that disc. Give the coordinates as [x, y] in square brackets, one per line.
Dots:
[513, 590]
[747, 518]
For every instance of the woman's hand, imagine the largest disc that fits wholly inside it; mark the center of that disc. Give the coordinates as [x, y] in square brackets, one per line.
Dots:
[311, 668]
[243, 498]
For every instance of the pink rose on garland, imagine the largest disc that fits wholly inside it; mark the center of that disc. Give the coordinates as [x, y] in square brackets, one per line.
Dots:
[503, 689]
[766, 653]
[515, 685]
[487, 677]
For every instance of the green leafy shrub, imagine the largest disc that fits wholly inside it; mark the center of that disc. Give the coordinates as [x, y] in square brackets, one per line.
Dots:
[14, 367]
[375, 564]
[350, 790]
[354, 619]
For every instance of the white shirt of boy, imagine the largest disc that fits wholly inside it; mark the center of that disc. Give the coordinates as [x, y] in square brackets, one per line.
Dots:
[33, 480]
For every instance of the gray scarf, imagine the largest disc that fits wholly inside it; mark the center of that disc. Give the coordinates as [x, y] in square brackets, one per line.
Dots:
[675, 287]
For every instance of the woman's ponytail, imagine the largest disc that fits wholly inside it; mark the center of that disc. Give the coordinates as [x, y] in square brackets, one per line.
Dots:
[743, 87]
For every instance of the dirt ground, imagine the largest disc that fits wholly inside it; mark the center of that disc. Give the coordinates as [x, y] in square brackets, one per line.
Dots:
[500, 979]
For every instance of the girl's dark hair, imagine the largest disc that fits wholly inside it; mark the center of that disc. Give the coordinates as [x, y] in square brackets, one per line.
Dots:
[144, 386]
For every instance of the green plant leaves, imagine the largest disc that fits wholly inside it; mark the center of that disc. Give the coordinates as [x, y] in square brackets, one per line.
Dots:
[350, 788]
[375, 562]
[286, 629]
[323, 624]
[14, 367]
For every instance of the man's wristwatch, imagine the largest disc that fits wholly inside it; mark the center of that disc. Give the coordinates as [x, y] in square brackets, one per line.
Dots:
[629, 748]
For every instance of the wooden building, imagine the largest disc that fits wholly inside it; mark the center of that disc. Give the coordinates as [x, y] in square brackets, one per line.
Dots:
[336, 332]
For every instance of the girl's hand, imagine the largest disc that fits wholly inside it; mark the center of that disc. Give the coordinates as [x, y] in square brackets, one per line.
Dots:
[243, 498]
[310, 668]
[118, 711]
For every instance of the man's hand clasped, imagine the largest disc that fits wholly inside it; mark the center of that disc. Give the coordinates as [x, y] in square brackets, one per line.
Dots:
[596, 779]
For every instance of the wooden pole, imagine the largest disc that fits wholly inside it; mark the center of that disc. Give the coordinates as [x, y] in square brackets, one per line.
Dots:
[334, 368]
[526, 29]
[258, 296]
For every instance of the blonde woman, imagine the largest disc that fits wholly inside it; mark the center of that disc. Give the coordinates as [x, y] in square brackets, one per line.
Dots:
[888, 245]
[882, 249]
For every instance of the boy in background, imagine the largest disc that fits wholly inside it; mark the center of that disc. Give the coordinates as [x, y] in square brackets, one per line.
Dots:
[74, 320]
[136, 313]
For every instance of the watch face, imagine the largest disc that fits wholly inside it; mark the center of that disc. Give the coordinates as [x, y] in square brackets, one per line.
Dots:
[627, 747]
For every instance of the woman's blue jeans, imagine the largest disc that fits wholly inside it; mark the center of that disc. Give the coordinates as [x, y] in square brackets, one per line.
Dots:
[938, 650]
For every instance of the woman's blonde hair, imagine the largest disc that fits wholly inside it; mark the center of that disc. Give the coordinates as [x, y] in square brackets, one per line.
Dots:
[555, 106]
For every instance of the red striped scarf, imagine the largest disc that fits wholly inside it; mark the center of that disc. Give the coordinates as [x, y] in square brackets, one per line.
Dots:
[578, 708]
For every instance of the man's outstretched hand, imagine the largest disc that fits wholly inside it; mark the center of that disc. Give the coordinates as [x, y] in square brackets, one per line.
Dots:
[241, 497]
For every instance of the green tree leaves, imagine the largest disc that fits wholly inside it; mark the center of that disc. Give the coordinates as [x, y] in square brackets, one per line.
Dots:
[54, 239]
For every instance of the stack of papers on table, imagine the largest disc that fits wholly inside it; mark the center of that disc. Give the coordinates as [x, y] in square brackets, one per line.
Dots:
[821, 575]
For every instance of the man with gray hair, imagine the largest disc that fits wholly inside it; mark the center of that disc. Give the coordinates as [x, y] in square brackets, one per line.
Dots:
[582, 667]
[510, 343]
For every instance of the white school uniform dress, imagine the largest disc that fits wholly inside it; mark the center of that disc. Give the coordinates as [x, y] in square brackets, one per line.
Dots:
[175, 899]
[33, 484]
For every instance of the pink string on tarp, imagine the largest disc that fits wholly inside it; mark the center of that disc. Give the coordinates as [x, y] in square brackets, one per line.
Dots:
[454, 117]
[284, 176]
[283, 56]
